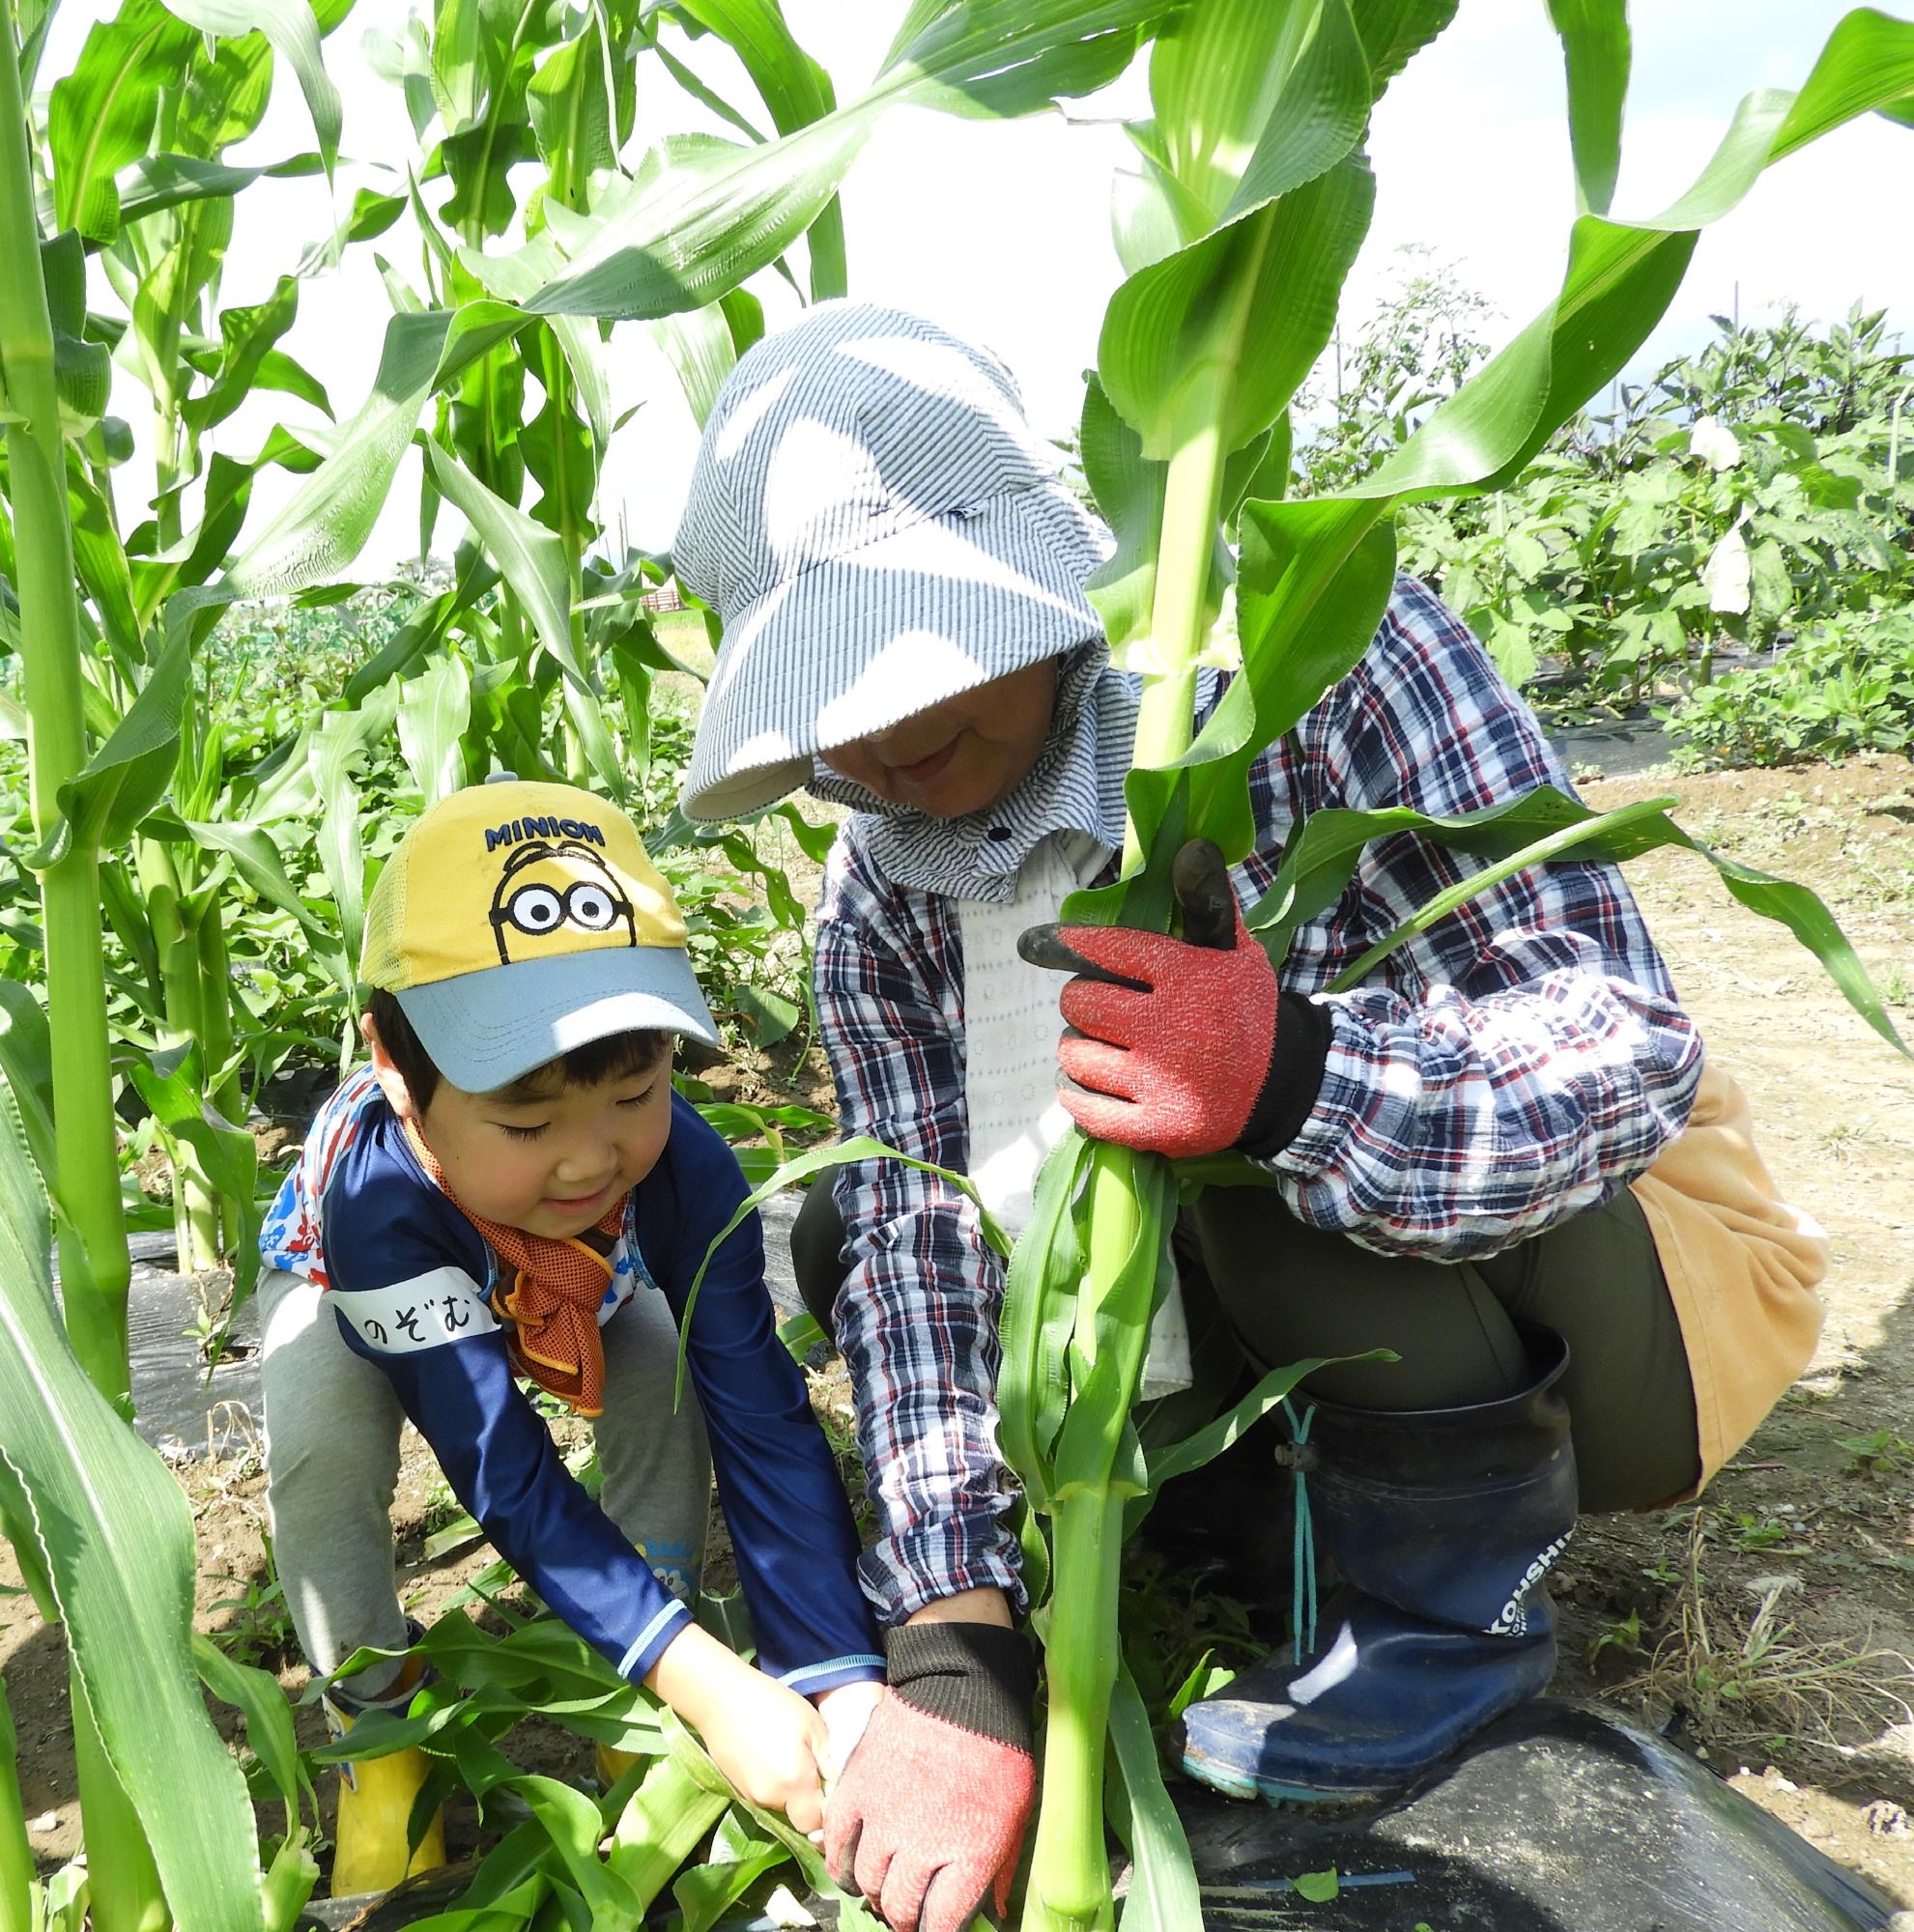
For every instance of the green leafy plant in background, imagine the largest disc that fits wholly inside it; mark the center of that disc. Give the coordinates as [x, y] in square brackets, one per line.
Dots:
[1846, 685]
[1736, 503]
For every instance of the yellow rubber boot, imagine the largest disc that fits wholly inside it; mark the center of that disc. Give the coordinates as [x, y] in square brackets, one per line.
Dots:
[376, 1797]
[613, 1764]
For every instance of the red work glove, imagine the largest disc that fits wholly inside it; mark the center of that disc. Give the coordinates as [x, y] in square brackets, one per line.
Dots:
[1172, 1043]
[928, 1817]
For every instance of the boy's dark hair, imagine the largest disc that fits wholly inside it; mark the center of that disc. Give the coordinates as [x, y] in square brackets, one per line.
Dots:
[619, 1056]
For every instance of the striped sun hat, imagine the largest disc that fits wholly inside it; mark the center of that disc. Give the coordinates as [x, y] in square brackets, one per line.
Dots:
[878, 528]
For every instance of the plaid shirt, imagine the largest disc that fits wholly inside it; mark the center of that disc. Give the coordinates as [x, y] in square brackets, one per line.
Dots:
[1511, 1067]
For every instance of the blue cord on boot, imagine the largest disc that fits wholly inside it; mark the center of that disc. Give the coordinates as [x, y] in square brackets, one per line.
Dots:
[1299, 1458]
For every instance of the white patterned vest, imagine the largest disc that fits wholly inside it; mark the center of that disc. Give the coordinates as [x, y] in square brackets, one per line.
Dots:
[1012, 1021]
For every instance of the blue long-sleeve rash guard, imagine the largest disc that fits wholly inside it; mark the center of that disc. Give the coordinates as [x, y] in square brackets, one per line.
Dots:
[411, 1280]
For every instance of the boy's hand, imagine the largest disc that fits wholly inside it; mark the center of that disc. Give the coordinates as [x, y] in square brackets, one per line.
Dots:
[928, 1817]
[766, 1739]
[1171, 1042]
[846, 1712]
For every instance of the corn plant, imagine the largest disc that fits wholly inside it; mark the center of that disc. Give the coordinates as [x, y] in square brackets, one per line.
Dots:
[129, 159]
[133, 764]
[105, 1539]
[93, 1248]
[1253, 197]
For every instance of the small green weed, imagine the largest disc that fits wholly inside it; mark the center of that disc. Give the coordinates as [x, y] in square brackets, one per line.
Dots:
[1183, 1639]
[1879, 1452]
[260, 1628]
[1623, 1637]
[1839, 1141]
[1743, 1530]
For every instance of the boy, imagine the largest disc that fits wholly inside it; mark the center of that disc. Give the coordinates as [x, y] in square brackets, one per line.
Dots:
[513, 1190]
[1501, 1156]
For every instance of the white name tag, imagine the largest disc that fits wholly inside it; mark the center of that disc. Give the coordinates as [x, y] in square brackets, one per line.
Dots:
[425, 1312]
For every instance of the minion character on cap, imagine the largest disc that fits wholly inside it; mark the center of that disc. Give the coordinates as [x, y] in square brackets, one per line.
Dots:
[541, 903]
[519, 921]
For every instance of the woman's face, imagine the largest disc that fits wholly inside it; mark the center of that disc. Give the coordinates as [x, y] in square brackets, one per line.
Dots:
[962, 756]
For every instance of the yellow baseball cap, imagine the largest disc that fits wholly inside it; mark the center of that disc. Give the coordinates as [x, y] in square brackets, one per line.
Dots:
[517, 920]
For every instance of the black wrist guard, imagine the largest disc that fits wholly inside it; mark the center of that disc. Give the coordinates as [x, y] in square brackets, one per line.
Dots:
[979, 1677]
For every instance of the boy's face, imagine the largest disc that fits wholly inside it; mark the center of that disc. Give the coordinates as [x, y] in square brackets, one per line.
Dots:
[551, 1166]
[962, 756]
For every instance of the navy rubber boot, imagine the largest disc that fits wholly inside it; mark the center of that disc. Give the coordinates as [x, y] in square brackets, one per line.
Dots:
[1444, 1524]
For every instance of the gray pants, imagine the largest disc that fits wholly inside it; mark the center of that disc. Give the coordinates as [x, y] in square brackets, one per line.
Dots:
[332, 1462]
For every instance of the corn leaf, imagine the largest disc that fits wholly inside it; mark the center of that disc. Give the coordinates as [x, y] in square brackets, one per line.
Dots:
[1623, 834]
[671, 1812]
[228, 1157]
[293, 32]
[1252, 99]
[1294, 601]
[1038, 1314]
[1097, 1446]
[706, 1892]
[1253, 303]
[82, 370]
[1395, 31]
[698, 343]
[698, 218]
[859, 1147]
[257, 860]
[341, 739]
[797, 91]
[700, 214]
[1163, 1895]
[101, 115]
[115, 1534]
[17, 1866]
[159, 182]
[1595, 48]
[581, 108]
[256, 1695]
[572, 1822]
[534, 563]
[986, 59]
[327, 521]
[434, 711]
[130, 774]
[26, 1065]
[100, 561]
[246, 364]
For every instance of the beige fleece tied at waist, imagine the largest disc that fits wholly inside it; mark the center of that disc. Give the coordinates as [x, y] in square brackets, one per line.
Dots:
[1741, 1264]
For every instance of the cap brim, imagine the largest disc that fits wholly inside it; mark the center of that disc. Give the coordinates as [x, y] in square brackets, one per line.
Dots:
[850, 647]
[485, 1029]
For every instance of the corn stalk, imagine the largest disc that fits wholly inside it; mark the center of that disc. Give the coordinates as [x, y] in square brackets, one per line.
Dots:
[94, 1264]
[16, 1862]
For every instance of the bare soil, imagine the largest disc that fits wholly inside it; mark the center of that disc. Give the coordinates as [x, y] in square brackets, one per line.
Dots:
[1768, 1627]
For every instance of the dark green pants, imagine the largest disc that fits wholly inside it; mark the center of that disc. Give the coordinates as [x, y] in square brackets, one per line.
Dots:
[1261, 1286]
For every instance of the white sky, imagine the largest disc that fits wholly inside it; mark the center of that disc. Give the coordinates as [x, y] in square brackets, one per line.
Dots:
[1000, 230]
